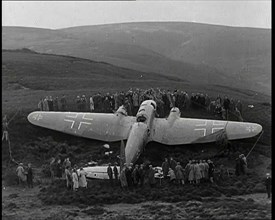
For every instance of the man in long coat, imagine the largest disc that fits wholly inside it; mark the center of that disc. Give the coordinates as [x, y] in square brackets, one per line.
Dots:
[123, 179]
[29, 176]
[165, 168]
[82, 178]
[141, 172]
[21, 174]
[110, 173]
[179, 173]
[115, 171]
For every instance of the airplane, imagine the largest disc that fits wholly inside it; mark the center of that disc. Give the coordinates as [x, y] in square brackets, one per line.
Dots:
[143, 128]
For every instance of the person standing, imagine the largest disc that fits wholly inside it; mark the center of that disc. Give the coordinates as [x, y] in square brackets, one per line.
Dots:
[63, 103]
[78, 103]
[211, 170]
[110, 173]
[115, 171]
[165, 168]
[268, 184]
[243, 164]
[123, 178]
[55, 104]
[75, 180]
[82, 178]
[5, 128]
[29, 176]
[197, 172]
[191, 176]
[172, 175]
[141, 172]
[40, 105]
[206, 167]
[187, 170]
[135, 176]
[52, 168]
[180, 173]
[21, 174]
[50, 103]
[46, 104]
[58, 169]
[92, 105]
[202, 168]
[68, 177]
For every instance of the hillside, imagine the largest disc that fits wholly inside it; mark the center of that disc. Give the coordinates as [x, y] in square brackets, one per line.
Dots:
[213, 54]
[28, 76]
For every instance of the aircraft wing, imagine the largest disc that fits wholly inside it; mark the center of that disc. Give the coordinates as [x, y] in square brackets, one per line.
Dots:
[189, 131]
[98, 126]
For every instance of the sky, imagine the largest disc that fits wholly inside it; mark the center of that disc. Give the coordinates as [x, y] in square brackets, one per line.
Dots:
[62, 14]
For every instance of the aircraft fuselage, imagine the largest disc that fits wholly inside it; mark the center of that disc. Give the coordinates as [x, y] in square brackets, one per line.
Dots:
[140, 131]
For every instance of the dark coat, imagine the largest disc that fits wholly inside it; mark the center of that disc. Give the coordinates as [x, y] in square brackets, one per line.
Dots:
[110, 172]
[173, 164]
[29, 173]
[141, 173]
[151, 176]
[211, 169]
[115, 172]
[165, 168]
[135, 176]
[58, 170]
[128, 173]
[268, 182]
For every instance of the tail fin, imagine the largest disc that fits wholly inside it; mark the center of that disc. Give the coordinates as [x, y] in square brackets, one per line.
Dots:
[122, 154]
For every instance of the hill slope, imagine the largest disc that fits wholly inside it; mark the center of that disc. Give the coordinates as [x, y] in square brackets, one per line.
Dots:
[194, 52]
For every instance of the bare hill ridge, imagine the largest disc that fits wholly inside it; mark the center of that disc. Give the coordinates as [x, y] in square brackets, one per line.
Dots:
[199, 53]
[47, 72]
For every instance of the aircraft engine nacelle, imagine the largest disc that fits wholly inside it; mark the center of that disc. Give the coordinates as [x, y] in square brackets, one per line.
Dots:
[137, 138]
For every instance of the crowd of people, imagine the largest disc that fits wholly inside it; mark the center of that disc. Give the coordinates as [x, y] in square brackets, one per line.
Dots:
[136, 175]
[131, 176]
[131, 99]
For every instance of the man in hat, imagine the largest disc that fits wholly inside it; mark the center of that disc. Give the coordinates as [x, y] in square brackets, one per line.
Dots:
[110, 173]
[268, 184]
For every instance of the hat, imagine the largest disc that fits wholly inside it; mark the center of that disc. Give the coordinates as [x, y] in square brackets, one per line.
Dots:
[21, 164]
[268, 174]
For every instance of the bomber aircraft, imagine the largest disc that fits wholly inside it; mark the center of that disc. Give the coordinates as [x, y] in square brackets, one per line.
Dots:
[143, 128]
